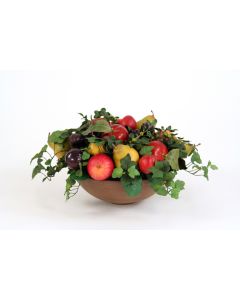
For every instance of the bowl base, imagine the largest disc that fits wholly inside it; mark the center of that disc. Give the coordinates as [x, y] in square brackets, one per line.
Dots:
[113, 192]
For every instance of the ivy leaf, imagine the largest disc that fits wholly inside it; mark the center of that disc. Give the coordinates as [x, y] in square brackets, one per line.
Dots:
[98, 126]
[85, 155]
[172, 157]
[158, 186]
[34, 157]
[117, 173]
[177, 187]
[40, 153]
[214, 167]
[126, 162]
[163, 165]
[48, 162]
[146, 150]
[133, 172]
[169, 176]
[132, 186]
[58, 137]
[37, 170]
[196, 158]
[157, 173]
[205, 172]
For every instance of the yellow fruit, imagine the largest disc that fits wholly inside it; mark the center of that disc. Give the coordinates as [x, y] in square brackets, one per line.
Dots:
[120, 151]
[149, 118]
[59, 149]
[189, 148]
[94, 149]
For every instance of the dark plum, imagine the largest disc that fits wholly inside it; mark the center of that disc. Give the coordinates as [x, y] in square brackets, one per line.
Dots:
[77, 141]
[73, 158]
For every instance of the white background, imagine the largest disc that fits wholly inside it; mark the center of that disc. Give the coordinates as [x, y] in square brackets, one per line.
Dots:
[178, 58]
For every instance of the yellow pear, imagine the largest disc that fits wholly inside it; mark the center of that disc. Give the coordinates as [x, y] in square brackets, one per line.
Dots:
[149, 118]
[189, 148]
[94, 149]
[59, 149]
[120, 151]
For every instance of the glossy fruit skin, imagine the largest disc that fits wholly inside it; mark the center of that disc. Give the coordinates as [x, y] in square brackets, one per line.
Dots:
[76, 141]
[128, 121]
[159, 151]
[149, 118]
[146, 162]
[100, 167]
[94, 149]
[73, 158]
[189, 148]
[120, 151]
[120, 132]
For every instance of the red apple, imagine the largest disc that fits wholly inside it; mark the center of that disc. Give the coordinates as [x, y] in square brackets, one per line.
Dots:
[159, 150]
[100, 167]
[128, 121]
[145, 163]
[120, 132]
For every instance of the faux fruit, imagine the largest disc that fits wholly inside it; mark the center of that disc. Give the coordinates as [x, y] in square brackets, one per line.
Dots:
[189, 148]
[100, 167]
[121, 151]
[76, 140]
[59, 149]
[104, 147]
[94, 149]
[150, 118]
[120, 132]
[145, 163]
[73, 158]
[159, 150]
[128, 121]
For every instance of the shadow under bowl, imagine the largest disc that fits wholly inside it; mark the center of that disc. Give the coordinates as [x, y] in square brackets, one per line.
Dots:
[113, 192]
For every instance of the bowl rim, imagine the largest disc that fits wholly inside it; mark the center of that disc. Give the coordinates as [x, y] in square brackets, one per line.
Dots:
[107, 180]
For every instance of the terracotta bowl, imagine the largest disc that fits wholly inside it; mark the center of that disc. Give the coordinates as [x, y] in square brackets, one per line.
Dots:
[113, 192]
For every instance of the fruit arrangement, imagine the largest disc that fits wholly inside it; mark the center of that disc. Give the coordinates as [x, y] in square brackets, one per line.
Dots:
[105, 147]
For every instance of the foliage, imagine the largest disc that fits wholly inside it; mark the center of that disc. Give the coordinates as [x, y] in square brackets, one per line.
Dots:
[182, 155]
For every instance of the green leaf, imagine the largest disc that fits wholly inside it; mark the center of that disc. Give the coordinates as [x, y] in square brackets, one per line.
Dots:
[132, 186]
[175, 193]
[58, 137]
[214, 167]
[77, 174]
[177, 187]
[48, 162]
[196, 158]
[37, 170]
[146, 150]
[179, 184]
[169, 176]
[34, 157]
[85, 155]
[163, 165]
[133, 172]
[126, 162]
[205, 172]
[158, 186]
[98, 126]
[40, 153]
[157, 173]
[172, 157]
[117, 173]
